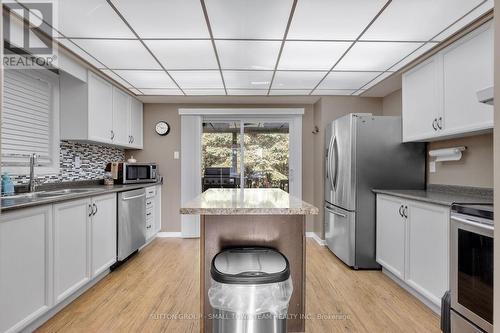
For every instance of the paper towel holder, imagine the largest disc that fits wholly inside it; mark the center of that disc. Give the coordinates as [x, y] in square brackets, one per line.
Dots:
[447, 154]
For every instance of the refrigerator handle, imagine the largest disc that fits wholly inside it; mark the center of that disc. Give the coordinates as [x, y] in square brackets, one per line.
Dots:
[335, 213]
[329, 159]
[336, 155]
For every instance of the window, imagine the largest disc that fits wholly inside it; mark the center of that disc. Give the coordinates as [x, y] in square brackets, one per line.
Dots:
[30, 121]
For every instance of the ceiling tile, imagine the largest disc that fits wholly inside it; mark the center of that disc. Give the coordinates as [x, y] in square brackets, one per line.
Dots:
[247, 79]
[422, 19]
[197, 79]
[332, 19]
[119, 54]
[347, 80]
[164, 18]
[375, 56]
[184, 54]
[333, 92]
[247, 54]
[147, 79]
[280, 92]
[412, 56]
[248, 19]
[376, 80]
[90, 19]
[162, 92]
[247, 92]
[480, 10]
[116, 77]
[297, 80]
[79, 52]
[311, 55]
[205, 92]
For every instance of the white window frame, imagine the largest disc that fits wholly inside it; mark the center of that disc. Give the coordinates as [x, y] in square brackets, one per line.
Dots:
[53, 168]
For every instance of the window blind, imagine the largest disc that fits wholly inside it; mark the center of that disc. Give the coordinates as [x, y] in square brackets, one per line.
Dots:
[26, 119]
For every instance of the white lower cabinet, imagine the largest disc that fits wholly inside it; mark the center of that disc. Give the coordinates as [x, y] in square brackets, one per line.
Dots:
[103, 233]
[153, 211]
[25, 266]
[412, 244]
[71, 247]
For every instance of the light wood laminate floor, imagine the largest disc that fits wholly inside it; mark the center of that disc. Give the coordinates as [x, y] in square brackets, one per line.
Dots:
[158, 291]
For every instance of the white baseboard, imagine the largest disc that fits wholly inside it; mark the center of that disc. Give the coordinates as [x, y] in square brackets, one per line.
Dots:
[318, 240]
[169, 235]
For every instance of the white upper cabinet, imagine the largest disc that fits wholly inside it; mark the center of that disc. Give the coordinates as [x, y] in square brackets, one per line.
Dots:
[136, 123]
[96, 111]
[440, 94]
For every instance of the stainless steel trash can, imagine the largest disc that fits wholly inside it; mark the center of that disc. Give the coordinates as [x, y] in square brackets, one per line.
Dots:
[250, 291]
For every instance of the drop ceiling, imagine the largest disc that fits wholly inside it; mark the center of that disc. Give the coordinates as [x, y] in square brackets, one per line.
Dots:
[258, 47]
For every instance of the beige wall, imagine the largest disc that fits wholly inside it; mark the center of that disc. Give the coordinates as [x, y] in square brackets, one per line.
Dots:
[476, 166]
[496, 307]
[325, 111]
[161, 150]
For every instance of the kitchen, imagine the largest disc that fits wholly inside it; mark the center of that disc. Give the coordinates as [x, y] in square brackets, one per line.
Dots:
[164, 147]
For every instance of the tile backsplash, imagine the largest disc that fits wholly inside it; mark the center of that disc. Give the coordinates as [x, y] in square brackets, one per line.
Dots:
[93, 159]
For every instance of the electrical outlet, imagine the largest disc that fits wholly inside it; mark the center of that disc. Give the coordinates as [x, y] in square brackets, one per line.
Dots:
[176, 155]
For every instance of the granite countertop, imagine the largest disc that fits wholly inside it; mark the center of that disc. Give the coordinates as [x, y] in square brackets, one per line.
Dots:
[251, 201]
[444, 194]
[85, 189]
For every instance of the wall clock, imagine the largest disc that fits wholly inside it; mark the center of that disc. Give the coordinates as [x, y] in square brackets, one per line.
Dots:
[162, 128]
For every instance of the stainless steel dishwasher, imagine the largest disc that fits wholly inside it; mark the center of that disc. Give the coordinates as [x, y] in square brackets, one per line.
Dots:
[131, 222]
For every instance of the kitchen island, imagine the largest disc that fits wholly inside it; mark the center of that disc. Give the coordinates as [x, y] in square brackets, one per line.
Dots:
[253, 217]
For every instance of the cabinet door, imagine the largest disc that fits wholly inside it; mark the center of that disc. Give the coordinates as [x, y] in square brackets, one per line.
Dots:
[25, 266]
[100, 109]
[121, 117]
[422, 100]
[427, 249]
[71, 247]
[390, 235]
[136, 121]
[157, 224]
[103, 233]
[467, 68]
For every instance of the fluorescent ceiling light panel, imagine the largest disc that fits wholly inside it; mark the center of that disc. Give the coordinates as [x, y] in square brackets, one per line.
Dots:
[297, 80]
[119, 54]
[375, 56]
[247, 79]
[311, 55]
[91, 19]
[248, 19]
[197, 79]
[333, 92]
[347, 80]
[410, 20]
[247, 54]
[117, 78]
[332, 19]
[184, 54]
[246, 92]
[205, 92]
[297, 92]
[147, 79]
[160, 92]
[476, 13]
[378, 79]
[78, 51]
[164, 18]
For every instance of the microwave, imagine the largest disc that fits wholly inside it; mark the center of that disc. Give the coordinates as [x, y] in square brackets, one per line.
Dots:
[133, 173]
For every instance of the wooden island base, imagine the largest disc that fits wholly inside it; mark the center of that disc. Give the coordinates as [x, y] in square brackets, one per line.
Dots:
[285, 233]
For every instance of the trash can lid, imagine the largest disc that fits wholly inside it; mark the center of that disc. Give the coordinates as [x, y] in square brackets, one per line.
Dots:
[250, 265]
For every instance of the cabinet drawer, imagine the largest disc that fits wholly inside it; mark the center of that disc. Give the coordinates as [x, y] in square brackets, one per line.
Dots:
[150, 191]
[150, 203]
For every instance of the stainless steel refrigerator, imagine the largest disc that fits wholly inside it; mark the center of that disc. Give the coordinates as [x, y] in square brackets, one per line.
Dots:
[364, 152]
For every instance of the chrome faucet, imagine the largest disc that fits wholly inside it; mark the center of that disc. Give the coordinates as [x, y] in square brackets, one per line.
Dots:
[32, 182]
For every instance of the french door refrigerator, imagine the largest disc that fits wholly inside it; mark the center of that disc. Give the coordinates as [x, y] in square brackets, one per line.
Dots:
[364, 152]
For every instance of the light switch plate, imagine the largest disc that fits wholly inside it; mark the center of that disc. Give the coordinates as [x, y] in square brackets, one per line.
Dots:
[176, 155]
[432, 167]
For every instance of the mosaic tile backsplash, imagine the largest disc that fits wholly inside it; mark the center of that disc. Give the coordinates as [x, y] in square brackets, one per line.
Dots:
[93, 159]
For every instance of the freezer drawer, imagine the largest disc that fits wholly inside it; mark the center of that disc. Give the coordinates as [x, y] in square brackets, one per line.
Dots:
[340, 233]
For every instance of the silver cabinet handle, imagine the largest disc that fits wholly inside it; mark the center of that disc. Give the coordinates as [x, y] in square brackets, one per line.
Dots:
[434, 124]
[134, 197]
[335, 213]
[129, 139]
[439, 123]
[405, 212]
[133, 139]
[95, 206]
[91, 211]
[112, 134]
[400, 211]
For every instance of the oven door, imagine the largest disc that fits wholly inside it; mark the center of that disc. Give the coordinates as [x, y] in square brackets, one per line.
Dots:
[472, 270]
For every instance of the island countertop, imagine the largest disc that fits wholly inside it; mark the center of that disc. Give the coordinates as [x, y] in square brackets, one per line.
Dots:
[250, 201]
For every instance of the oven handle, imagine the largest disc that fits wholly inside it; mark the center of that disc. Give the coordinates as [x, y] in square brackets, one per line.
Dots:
[134, 197]
[473, 224]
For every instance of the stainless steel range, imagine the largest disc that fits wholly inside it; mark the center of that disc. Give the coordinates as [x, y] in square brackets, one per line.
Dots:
[471, 268]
